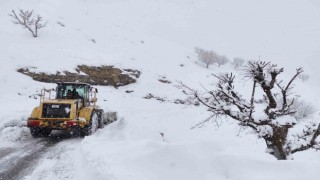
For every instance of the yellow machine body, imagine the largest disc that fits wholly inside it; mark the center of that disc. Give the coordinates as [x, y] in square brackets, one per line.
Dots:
[66, 112]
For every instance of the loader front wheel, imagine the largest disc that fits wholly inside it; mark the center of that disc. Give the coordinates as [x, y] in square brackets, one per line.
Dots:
[92, 126]
[100, 113]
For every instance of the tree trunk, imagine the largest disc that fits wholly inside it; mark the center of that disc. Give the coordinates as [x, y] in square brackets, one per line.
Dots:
[277, 142]
[272, 101]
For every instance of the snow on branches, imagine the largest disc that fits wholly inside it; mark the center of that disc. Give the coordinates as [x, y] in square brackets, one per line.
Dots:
[274, 121]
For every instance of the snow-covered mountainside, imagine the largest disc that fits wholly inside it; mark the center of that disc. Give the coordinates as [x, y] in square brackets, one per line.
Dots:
[153, 139]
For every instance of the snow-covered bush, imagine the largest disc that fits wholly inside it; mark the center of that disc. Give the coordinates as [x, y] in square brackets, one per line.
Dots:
[303, 110]
[271, 120]
[237, 62]
[26, 20]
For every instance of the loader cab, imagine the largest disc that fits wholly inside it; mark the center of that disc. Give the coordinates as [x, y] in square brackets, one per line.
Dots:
[73, 91]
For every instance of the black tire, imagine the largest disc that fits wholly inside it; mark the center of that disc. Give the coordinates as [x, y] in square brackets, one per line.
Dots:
[92, 126]
[35, 132]
[40, 132]
[45, 132]
[100, 113]
[75, 132]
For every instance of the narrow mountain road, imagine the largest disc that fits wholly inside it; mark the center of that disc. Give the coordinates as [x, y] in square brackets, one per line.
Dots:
[18, 162]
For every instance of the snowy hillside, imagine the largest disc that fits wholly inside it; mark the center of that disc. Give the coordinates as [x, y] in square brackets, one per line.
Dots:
[154, 140]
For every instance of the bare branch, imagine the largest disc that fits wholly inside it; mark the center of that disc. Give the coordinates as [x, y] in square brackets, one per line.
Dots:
[299, 71]
[310, 144]
[285, 90]
[204, 121]
[252, 99]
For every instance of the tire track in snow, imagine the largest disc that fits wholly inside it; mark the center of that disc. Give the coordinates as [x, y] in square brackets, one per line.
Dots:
[5, 151]
[17, 162]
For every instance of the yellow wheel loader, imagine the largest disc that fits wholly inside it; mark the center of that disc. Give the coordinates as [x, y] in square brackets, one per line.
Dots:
[73, 109]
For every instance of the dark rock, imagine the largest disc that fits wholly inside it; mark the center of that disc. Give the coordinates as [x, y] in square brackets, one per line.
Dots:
[165, 81]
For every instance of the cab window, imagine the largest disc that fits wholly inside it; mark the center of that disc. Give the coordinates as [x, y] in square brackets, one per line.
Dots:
[70, 91]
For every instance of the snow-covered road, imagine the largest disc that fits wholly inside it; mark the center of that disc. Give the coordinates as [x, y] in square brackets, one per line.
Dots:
[21, 160]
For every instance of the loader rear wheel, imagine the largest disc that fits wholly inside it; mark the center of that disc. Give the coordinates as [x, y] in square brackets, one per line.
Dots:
[35, 132]
[75, 131]
[92, 126]
[40, 132]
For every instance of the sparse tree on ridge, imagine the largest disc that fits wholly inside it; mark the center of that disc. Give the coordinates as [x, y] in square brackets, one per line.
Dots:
[25, 19]
[274, 121]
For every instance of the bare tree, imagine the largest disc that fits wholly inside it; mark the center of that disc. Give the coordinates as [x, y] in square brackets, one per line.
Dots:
[25, 19]
[237, 62]
[271, 123]
[221, 60]
[205, 56]
[210, 57]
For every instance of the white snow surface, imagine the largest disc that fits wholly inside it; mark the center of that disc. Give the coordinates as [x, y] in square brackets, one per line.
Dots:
[157, 37]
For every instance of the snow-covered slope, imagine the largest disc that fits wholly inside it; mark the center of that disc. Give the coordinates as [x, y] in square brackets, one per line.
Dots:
[158, 38]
